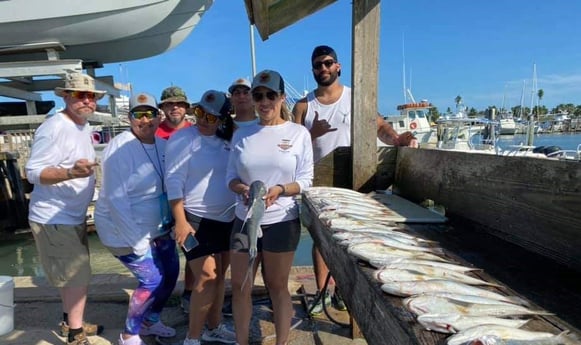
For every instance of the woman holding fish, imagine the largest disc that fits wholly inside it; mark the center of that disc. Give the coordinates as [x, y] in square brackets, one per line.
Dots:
[196, 160]
[270, 163]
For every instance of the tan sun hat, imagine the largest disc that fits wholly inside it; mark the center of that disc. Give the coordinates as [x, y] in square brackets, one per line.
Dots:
[79, 82]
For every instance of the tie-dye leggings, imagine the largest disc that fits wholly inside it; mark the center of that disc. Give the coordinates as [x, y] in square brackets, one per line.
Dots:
[157, 272]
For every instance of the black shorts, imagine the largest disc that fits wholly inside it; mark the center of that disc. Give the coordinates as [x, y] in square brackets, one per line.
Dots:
[214, 236]
[277, 238]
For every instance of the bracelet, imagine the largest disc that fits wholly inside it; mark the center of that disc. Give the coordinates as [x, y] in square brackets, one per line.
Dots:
[283, 189]
[70, 173]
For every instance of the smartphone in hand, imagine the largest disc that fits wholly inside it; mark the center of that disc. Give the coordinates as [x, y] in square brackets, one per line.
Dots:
[190, 243]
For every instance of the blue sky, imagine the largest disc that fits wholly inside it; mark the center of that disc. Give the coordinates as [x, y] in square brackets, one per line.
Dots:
[480, 50]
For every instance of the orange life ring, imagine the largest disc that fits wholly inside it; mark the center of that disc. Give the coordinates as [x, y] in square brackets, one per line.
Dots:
[413, 125]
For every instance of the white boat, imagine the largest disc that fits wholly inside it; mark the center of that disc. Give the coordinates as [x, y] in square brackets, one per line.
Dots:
[413, 117]
[96, 32]
[507, 125]
[466, 134]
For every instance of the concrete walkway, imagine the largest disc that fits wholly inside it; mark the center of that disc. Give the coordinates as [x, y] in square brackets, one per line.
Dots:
[38, 312]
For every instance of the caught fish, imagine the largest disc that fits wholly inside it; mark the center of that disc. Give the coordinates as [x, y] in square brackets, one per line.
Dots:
[465, 305]
[509, 335]
[256, 208]
[404, 261]
[561, 339]
[374, 251]
[454, 323]
[418, 272]
[440, 285]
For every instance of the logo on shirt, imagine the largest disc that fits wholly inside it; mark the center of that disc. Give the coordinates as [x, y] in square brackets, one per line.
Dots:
[285, 144]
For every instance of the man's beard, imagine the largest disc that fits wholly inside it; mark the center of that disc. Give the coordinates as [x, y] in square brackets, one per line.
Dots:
[327, 82]
[175, 120]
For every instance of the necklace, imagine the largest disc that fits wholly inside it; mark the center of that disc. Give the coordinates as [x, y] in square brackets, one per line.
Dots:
[160, 171]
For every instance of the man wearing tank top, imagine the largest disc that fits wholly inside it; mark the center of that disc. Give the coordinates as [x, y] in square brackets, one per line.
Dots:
[326, 113]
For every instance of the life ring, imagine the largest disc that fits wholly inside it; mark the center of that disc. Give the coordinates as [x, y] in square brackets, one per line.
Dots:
[413, 125]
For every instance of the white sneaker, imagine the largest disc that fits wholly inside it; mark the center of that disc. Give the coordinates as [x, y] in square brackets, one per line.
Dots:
[189, 341]
[134, 340]
[220, 333]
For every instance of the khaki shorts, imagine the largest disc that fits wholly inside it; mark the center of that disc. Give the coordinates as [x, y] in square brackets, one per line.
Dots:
[64, 253]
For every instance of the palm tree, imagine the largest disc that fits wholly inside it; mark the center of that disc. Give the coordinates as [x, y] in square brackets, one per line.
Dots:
[458, 100]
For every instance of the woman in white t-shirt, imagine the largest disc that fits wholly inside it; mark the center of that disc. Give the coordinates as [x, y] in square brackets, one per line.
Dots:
[279, 153]
[196, 160]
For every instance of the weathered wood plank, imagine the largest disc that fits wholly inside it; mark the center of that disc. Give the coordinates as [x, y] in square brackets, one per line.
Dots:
[335, 169]
[364, 92]
[534, 203]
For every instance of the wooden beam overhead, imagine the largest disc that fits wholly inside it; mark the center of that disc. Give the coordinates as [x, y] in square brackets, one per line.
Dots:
[270, 16]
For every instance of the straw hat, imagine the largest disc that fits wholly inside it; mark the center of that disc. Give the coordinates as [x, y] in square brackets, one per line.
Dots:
[78, 82]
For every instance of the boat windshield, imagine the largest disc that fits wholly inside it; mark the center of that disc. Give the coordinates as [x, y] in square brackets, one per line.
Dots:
[417, 114]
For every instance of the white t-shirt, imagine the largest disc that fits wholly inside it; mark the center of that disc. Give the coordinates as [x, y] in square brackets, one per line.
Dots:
[128, 211]
[278, 154]
[196, 170]
[59, 142]
[338, 115]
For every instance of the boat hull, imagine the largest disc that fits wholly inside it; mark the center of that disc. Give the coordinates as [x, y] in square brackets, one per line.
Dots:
[108, 36]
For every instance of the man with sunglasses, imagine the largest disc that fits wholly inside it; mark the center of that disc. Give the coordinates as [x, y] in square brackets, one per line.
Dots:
[326, 112]
[61, 167]
[174, 104]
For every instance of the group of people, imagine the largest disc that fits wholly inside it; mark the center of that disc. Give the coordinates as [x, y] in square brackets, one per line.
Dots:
[166, 181]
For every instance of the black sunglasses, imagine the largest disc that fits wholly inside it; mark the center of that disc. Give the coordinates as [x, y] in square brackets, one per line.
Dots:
[258, 96]
[328, 63]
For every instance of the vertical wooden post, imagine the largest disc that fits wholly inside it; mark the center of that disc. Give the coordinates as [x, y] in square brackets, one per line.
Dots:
[364, 92]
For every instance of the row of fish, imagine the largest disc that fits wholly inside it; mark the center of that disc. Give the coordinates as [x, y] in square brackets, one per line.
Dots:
[439, 292]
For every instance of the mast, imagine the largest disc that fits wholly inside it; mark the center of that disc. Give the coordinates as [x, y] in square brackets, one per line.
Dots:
[531, 128]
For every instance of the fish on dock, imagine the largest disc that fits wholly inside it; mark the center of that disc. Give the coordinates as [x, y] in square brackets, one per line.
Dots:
[454, 323]
[503, 335]
[256, 208]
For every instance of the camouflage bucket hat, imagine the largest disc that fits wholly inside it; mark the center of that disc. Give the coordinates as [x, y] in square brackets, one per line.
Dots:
[173, 94]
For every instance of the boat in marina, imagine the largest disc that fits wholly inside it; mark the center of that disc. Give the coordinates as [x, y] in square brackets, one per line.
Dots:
[413, 117]
[97, 32]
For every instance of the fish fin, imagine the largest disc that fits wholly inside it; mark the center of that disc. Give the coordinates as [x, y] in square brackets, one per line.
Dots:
[228, 209]
[518, 300]
[248, 215]
[259, 232]
[249, 272]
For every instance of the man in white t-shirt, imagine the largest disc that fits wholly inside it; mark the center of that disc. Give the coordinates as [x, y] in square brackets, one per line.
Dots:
[326, 112]
[61, 168]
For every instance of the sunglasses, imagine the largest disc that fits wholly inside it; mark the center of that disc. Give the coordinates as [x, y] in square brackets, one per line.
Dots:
[201, 114]
[319, 64]
[258, 96]
[83, 94]
[140, 114]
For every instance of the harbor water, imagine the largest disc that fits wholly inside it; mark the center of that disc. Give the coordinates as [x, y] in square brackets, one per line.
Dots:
[18, 256]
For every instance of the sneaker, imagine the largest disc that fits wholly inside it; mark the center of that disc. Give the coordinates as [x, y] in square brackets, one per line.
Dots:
[89, 328]
[80, 339]
[220, 333]
[338, 301]
[317, 309]
[189, 341]
[227, 309]
[185, 304]
[134, 340]
[158, 329]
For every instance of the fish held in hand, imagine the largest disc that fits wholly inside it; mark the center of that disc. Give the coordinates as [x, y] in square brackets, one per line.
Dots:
[256, 208]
